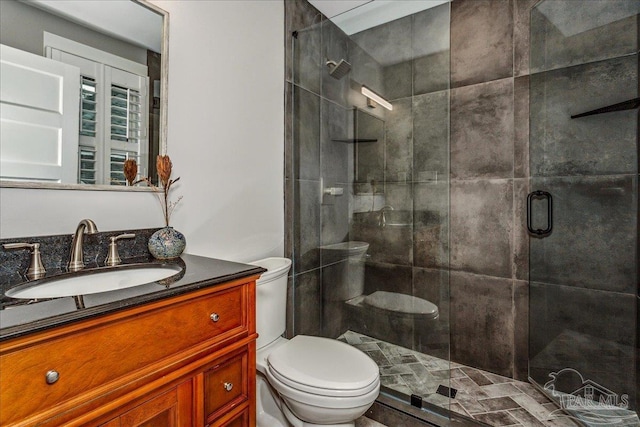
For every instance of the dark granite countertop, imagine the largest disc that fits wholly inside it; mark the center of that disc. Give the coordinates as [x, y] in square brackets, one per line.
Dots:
[19, 317]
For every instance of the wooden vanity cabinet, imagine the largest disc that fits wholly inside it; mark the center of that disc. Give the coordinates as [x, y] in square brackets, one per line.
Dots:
[188, 360]
[172, 408]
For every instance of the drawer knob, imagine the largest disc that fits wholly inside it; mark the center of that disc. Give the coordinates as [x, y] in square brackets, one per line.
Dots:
[228, 386]
[52, 377]
[214, 317]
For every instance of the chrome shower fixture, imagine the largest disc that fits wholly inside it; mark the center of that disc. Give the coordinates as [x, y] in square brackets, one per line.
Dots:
[338, 70]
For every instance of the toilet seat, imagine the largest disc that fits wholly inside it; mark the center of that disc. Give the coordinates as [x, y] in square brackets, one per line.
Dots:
[323, 367]
[326, 401]
[325, 392]
[401, 303]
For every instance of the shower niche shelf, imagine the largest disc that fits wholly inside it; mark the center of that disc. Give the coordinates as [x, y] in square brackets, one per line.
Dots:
[356, 140]
[621, 106]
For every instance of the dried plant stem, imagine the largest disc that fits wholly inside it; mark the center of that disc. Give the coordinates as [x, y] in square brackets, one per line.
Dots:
[164, 166]
[166, 205]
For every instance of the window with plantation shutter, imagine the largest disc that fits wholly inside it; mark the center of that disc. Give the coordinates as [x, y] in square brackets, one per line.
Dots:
[87, 167]
[88, 106]
[125, 130]
[125, 114]
[127, 127]
[87, 171]
[113, 112]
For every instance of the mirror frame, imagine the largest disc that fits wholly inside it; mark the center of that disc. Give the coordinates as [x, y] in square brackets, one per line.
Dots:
[163, 131]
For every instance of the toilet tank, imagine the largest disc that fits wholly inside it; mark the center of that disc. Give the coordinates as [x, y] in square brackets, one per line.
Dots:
[343, 276]
[271, 299]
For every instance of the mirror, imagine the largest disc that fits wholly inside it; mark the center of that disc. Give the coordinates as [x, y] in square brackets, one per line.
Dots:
[83, 88]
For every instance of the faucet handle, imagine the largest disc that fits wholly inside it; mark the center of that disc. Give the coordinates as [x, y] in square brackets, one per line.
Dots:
[113, 258]
[36, 269]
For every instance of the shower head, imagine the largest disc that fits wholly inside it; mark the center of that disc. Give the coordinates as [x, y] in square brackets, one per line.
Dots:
[338, 70]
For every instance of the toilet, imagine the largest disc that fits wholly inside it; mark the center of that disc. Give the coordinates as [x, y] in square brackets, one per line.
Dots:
[391, 315]
[342, 281]
[305, 381]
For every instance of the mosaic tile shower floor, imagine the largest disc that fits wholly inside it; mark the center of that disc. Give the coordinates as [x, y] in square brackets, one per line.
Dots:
[483, 396]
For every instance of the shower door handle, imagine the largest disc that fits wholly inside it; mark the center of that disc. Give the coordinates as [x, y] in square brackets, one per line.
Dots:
[538, 194]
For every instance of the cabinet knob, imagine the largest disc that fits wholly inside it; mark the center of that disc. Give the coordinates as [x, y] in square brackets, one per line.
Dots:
[214, 317]
[228, 386]
[52, 377]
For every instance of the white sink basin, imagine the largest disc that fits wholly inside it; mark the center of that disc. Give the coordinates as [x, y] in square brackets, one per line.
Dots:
[95, 282]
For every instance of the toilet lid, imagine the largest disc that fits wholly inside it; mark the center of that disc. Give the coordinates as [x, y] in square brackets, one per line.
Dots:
[401, 303]
[323, 365]
[350, 248]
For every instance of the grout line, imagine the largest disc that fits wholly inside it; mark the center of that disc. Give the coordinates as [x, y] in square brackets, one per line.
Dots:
[403, 383]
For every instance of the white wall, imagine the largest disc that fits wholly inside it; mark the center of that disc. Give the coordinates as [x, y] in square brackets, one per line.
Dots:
[226, 133]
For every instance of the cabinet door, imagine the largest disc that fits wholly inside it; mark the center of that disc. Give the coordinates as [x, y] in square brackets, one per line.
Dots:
[170, 409]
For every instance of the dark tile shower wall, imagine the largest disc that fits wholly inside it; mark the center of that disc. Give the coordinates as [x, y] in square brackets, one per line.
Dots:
[489, 163]
[595, 185]
[485, 169]
[584, 277]
[488, 65]
[318, 112]
[410, 255]
[409, 163]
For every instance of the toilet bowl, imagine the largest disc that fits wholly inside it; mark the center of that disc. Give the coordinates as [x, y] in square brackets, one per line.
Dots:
[268, 405]
[392, 315]
[307, 381]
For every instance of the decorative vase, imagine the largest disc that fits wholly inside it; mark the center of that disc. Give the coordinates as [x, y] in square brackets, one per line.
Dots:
[166, 243]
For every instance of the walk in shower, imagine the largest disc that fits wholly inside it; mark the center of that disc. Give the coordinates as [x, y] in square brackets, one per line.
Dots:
[368, 189]
[584, 172]
[447, 216]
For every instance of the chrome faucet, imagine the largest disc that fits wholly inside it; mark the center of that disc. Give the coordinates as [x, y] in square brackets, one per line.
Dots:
[77, 258]
[383, 215]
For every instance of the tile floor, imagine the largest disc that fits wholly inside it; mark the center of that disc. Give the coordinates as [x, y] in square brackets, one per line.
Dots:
[367, 422]
[483, 396]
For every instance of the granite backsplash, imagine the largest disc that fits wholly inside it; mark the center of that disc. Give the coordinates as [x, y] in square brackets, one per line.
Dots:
[56, 250]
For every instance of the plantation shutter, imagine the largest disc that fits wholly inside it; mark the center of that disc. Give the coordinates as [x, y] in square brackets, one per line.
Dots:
[113, 119]
[87, 168]
[128, 124]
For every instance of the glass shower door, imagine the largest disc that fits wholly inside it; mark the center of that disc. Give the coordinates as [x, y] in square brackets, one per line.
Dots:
[583, 208]
[368, 194]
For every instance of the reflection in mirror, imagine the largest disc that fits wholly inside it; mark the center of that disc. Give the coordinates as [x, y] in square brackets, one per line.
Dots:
[369, 152]
[83, 88]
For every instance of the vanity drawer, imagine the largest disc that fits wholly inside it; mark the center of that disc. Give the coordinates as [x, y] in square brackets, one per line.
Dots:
[225, 386]
[118, 347]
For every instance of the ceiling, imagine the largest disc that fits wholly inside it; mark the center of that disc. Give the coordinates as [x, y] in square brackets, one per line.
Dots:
[125, 20]
[331, 8]
[353, 16]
